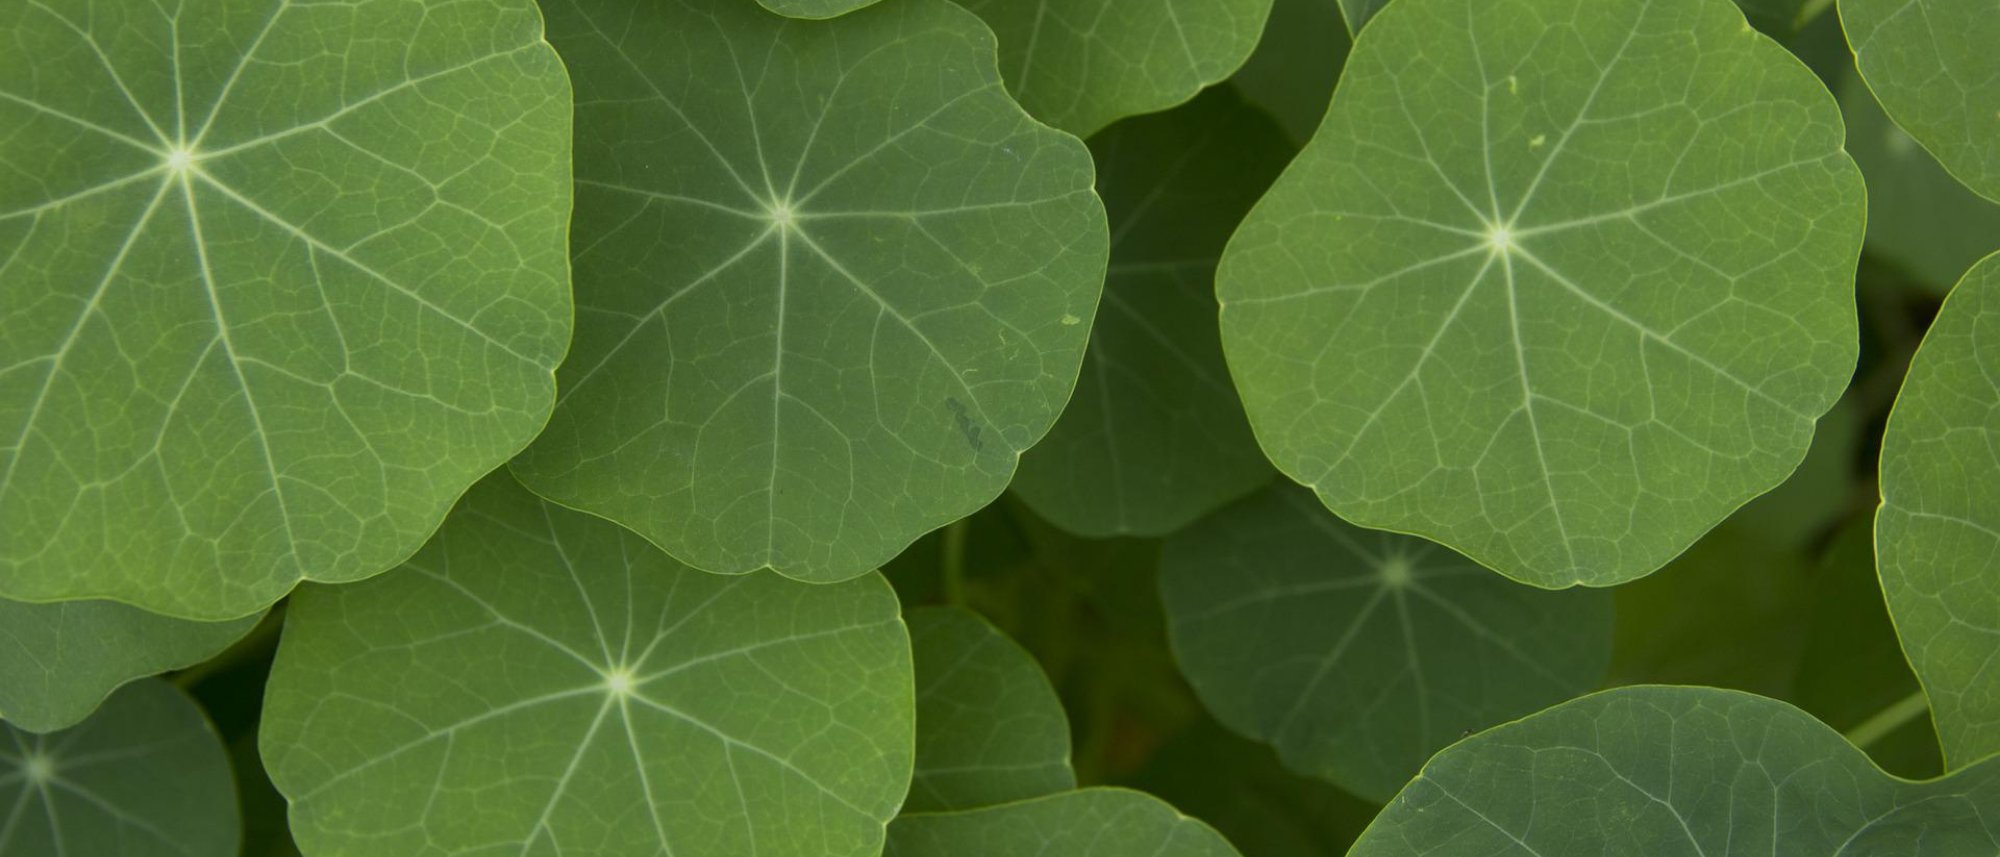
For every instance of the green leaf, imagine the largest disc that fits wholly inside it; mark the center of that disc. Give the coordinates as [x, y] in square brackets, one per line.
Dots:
[1155, 435]
[1297, 62]
[1359, 12]
[542, 682]
[145, 776]
[1082, 64]
[1673, 771]
[58, 661]
[1781, 18]
[281, 280]
[1937, 535]
[1559, 283]
[1932, 64]
[1098, 822]
[1919, 217]
[823, 304]
[1356, 653]
[814, 8]
[989, 727]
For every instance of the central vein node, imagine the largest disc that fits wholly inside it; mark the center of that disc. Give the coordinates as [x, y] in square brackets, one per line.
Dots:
[39, 768]
[620, 681]
[1397, 571]
[180, 159]
[1500, 238]
[781, 213]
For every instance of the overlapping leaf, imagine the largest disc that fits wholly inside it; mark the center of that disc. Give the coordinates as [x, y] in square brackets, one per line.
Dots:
[831, 280]
[1558, 283]
[990, 729]
[1937, 535]
[814, 8]
[1356, 653]
[1155, 435]
[143, 777]
[1297, 62]
[541, 682]
[1932, 64]
[1082, 64]
[1678, 770]
[1097, 822]
[58, 661]
[1919, 217]
[277, 282]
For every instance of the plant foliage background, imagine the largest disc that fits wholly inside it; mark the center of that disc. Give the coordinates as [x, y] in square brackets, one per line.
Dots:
[591, 428]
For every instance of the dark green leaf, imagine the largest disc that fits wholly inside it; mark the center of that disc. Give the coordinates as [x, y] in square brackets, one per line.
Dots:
[58, 661]
[989, 727]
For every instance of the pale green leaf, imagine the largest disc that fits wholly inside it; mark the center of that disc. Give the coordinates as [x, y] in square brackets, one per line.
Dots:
[1359, 653]
[278, 281]
[541, 682]
[1672, 771]
[814, 8]
[145, 776]
[1919, 217]
[831, 281]
[1933, 66]
[58, 661]
[1155, 435]
[1937, 535]
[989, 727]
[1082, 64]
[1558, 283]
[1097, 822]
[1297, 62]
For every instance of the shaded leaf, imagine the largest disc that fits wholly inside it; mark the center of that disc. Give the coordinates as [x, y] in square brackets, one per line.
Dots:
[1734, 611]
[1154, 436]
[1919, 217]
[145, 776]
[1297, 62]
[58, 661]
[989, 727]
[1932, 65]
[1937, 535]
[1240, 787]
[281, 280]
[1359, 653]
[1082, 64]
[540, 681]
[815, 8]
[1098, 822]
[1678, 770]
[1558, 295]
[831, 280]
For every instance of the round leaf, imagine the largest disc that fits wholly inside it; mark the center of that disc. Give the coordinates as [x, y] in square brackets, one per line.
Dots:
[145, 776]
[1672, 771]
[989, 726]
[1082, 64]
[542, 682]
[1918, 215]
[1558, 283]
[1100, 822]
[831, 280]
[1360, 653]
[1932, 64]
[1155, 435]
[281, 280]
[1937, 535]
[58, 661]
[814, 8]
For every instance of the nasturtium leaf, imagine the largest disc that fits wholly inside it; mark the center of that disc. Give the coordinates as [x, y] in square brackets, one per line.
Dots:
[1937, 534]
[831, 281]
[1558, 283]
[1359, 12]
[1297, 62]
[1932, 65]
[1678, 771]
[814, 8]
[989, 726]
[59, 660]
[537, 681]
[1155, 435]
[1096, 822]
[281, 280]
[1919, 217]
[1082, 64]
[1359, 653]
[145, 776]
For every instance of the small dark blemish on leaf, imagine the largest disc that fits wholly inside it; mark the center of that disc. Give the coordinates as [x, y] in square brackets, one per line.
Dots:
[965, 424]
